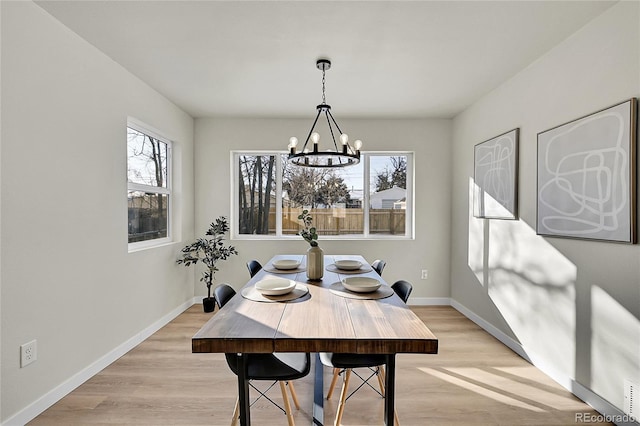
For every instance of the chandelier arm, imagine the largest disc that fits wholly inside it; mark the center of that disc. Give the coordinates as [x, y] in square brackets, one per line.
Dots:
[348, 145]
[313, 126]
[335, 122]
[327, 113]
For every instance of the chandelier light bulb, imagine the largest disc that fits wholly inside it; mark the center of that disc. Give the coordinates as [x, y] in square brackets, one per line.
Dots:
[357, 144]
[344, 138]
[315, 137]
[293, 141]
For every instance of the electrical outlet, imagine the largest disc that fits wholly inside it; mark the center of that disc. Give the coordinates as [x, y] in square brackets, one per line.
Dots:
[28, 353]
[424, 275]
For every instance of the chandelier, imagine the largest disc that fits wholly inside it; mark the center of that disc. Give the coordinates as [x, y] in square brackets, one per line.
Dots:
[313, 156]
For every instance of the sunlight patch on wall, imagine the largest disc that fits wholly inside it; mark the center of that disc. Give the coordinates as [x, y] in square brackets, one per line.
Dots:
[475, 249]
[530, 282]
[533, 286]
[615, 346]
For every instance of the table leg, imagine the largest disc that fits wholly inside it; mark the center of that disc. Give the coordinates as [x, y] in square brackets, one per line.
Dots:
[243, 390]
[390, 390]
[318, 393]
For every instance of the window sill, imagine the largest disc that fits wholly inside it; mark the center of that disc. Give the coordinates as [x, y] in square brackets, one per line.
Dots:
[370, 237]
[147, 245]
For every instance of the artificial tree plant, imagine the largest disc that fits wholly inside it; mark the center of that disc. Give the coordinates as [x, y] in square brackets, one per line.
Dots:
[209, 250]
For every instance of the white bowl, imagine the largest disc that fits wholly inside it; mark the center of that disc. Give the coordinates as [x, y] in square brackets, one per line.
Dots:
[361, 284]
[348, 265]
[286, 264]
[275, 286]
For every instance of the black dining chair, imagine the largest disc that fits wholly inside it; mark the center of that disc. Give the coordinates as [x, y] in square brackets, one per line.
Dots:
[254, 267]
[275, 367]
[403, 289]
[345, 363]
[378, 266]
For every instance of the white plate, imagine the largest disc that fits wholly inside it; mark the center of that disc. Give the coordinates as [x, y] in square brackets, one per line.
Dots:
[348, 265]
[275, 286]
[286, 264]
[361, 284]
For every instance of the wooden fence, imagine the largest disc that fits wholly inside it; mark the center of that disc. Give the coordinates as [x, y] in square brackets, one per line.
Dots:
[342, 221]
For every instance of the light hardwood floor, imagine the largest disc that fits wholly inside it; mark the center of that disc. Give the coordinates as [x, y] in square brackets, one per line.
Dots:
[474, 380]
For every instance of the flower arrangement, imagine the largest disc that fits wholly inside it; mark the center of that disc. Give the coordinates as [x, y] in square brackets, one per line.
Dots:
[309, 231]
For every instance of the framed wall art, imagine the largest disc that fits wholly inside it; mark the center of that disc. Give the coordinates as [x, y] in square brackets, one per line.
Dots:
[495, 175]
[586, 176]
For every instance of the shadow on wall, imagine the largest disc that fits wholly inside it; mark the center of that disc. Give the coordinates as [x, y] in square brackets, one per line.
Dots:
[531, 284]
[568, 327]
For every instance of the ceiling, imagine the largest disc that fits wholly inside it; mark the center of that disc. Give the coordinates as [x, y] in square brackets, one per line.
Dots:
[390, 58]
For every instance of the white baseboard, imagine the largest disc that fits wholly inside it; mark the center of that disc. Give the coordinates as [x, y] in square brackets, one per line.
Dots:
[491, 329]
[429, 301]
[34, 409]
[610, 412]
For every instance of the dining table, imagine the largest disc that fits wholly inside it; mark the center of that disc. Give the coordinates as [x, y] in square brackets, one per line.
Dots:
[322, 317]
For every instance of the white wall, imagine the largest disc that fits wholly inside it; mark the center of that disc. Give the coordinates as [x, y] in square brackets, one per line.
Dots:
[429, 139]
[67, 278]
[573, 305]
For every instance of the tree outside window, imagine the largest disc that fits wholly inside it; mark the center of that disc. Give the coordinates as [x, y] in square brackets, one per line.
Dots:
[334, 196]
[148, 186]
[256, 194]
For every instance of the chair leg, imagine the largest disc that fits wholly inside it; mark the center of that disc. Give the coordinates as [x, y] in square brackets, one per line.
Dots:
[236, 413]
[380, 376]
[287, 406]
[294, 395]
[343, 397]
[336, 373]
[395, 417]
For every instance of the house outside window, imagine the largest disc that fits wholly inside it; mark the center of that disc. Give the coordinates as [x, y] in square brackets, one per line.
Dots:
[149, 186]
[373, 199]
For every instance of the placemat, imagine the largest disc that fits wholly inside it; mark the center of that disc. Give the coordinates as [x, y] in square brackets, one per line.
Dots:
[252, 293]
[333, 268]
[284, 271]
[383, 292]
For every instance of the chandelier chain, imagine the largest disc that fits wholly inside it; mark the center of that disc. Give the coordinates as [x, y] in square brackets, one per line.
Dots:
[324, 100]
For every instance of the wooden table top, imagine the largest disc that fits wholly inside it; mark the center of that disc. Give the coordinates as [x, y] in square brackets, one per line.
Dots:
[319, 322]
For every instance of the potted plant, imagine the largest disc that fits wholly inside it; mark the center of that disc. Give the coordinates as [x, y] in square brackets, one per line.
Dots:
[315, 255]
[209, 250]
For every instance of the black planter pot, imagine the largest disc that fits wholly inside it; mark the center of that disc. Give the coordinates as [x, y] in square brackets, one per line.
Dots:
[209, 304]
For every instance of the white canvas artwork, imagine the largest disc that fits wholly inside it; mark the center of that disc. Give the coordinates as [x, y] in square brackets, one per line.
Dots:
[586, 176]
[495, 176]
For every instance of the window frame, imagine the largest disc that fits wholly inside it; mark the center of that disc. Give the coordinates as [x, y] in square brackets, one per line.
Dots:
[150, 189]
[365, 159]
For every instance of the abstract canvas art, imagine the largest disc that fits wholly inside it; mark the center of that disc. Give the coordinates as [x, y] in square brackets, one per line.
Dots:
[586, 176]
[496, 177]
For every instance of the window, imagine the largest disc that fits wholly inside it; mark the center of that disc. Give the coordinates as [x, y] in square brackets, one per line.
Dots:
[149, 187]
[270, 193]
